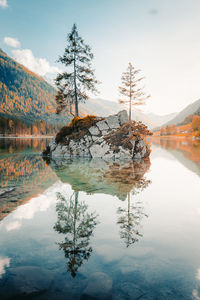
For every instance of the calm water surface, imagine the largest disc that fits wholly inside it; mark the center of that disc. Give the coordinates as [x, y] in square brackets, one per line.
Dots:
[87, 229]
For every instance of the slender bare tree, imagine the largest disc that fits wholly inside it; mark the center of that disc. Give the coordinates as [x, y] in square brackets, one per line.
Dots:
[133, 94]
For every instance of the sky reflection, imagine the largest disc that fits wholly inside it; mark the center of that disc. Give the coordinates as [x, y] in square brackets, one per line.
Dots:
[164, 261]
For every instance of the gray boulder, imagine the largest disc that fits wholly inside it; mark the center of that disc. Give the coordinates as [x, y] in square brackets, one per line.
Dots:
[140, 150]
[94, 138]
[109, 155]
[105, 132]
[97, 150]
[94, 130]
[102, 125]
[123, 117]
[57, 151]
[52, 144]
[112, 122]
[124, 154]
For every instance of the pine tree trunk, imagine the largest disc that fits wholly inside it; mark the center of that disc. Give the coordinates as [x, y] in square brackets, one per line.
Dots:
[75, 90]
[129, 221]
[130, 110]
[70, 107]
[130, 97]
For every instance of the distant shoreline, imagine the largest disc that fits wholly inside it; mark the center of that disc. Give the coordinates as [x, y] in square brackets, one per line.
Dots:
[189, 137]
[27, 137]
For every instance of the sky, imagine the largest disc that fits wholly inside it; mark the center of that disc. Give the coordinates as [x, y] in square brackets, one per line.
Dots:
[162, 38]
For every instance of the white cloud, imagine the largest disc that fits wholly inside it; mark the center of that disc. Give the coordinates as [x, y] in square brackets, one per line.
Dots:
[12, 42]
[26, 57]
[13, 225]
[3, 3]
[38, 65]
[198, 274]
[4, 262]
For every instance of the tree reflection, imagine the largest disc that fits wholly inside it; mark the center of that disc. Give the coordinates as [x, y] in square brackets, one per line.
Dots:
[115, 178]
[130, 217]
[77, 224]
[19, 145]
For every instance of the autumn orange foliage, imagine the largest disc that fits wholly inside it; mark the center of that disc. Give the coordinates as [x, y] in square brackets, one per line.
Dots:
[190, 127]
[77, 128]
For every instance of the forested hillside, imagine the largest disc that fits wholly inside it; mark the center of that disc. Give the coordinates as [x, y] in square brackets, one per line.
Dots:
[23, 93]
[190, 110]
[27, 100]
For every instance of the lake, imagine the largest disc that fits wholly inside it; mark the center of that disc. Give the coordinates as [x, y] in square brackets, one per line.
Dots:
[87, 229]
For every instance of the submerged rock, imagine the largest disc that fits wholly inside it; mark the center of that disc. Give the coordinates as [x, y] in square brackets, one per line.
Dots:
[99, 287]
[113, 137]
[5, 191]
[26, 281]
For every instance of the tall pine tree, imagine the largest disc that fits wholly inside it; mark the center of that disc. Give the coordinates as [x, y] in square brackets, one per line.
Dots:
[132, 93]
[78, 79]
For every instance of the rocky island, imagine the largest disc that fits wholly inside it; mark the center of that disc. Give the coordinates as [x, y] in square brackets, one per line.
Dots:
[110, 138]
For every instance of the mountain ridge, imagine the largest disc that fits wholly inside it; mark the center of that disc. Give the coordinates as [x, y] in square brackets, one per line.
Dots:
[191, 109]
[104, 108]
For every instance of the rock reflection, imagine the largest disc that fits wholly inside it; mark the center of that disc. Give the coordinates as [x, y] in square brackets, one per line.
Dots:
[98, 176]
[77, 224]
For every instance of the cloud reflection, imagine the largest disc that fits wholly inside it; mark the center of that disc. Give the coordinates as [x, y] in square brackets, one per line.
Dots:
[195, 294]
[13, 225]
[4, 262]
[38, 204]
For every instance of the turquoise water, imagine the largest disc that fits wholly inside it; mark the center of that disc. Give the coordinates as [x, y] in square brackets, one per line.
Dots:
[91, 230]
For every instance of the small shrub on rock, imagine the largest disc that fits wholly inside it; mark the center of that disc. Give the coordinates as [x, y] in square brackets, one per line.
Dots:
[77, 128]
[78, 123]
[130, 131]
[64, 131]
